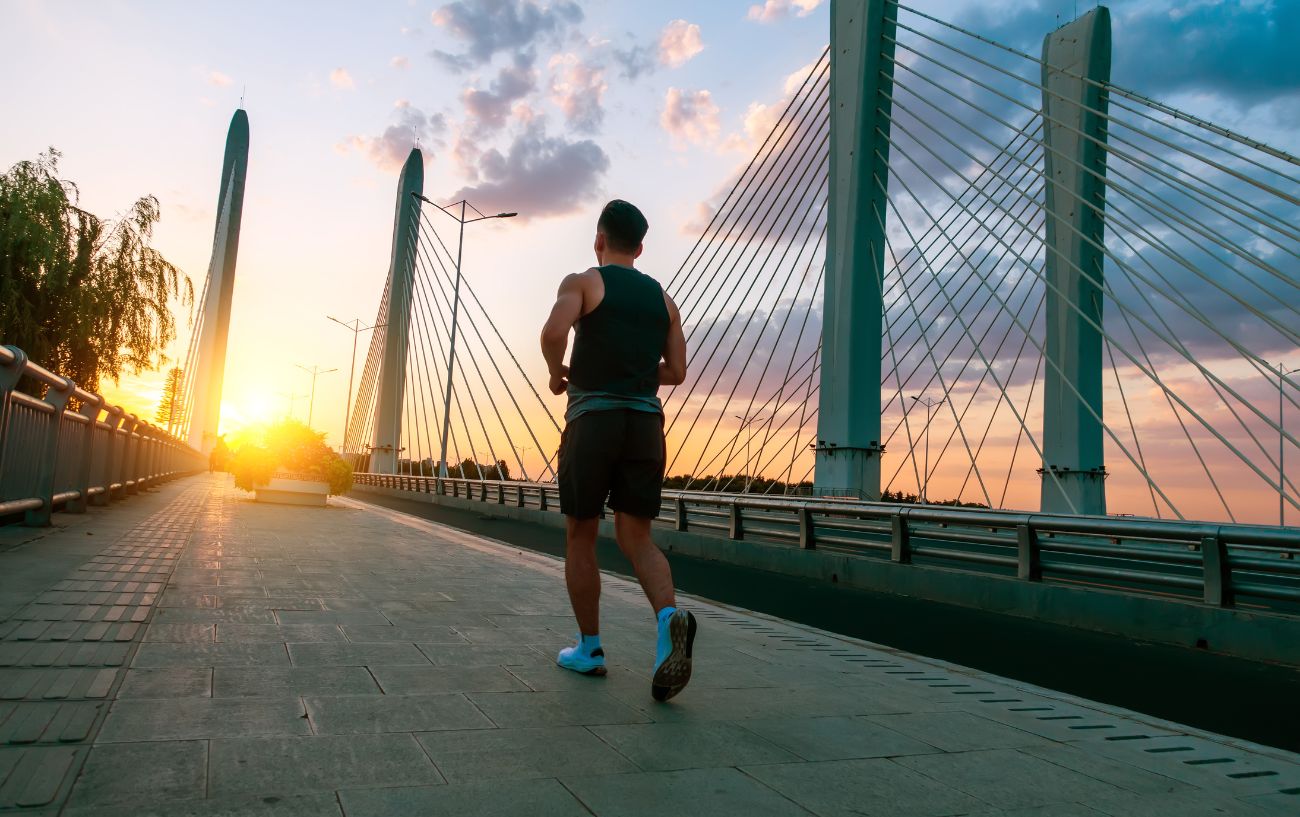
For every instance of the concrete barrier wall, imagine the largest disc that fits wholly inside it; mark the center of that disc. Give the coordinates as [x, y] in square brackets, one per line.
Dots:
[1258, 636]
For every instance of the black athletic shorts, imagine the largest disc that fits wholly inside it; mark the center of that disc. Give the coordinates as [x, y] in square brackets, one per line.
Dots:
[616, 455]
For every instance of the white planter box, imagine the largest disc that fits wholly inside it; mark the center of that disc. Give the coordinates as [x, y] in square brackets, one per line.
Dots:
[294, 492]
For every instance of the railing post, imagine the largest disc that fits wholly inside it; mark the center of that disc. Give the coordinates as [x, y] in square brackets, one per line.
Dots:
[130, 454]
[542, 503]
[519, 495]
[56, 396]
[501, 493]
[1218, 573]
[680, 504]
[736, 526]
[90, 410]
[482, 492]
[1028, 566]
[900, 550]
[10, 374]
[113, 419]
[807, 531]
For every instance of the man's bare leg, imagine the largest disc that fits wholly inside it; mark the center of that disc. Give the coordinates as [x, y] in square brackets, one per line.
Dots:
[581, 574]
[652, 570]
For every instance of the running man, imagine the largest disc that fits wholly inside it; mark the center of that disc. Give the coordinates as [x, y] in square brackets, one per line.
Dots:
[628, 342]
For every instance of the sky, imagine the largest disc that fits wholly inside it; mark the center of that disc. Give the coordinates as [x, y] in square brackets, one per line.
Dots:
[545, 108]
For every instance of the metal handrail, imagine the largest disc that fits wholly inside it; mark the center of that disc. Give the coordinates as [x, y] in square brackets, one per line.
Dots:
[51, 455]
[1217, 562]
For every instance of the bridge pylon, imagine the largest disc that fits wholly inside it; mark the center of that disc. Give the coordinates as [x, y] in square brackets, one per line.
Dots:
[848, 444]
[210, 362]
[387, 442]
[1076, 66]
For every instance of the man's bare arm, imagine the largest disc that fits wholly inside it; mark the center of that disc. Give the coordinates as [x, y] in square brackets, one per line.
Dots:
[555, 334]
[672, 370]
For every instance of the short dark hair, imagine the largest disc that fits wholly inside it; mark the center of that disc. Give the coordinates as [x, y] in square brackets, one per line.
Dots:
[623, 225]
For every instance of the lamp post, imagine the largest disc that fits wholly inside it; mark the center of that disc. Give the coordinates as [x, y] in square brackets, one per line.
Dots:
[292, 399]
[356, 328]
[313, 371]
[929, 404]
[455, 308]
[744, 424]
[1282, 372]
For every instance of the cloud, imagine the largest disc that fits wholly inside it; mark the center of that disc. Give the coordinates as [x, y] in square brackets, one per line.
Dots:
[635, 61]
[538, 176]
[487, 27]
[400, 63]
[218, 79]
[486, 110]
[679, 42]
[690, 117]
[389, 150]
[773, 10]
[578, 89]
[340, 78]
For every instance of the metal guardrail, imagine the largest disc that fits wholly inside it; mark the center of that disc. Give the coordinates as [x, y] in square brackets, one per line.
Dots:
[52, 455]
[1220, 565]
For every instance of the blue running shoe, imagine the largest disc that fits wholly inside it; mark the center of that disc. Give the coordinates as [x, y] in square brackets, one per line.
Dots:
[673, 653]
[581, 659]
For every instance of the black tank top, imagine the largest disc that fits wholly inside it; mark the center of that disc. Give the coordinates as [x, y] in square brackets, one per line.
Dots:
[618, 345]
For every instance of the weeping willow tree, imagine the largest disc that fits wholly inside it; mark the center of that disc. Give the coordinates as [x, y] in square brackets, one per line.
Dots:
[86, 298]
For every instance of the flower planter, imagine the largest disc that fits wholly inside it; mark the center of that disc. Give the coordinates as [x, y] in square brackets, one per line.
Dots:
[289, 490]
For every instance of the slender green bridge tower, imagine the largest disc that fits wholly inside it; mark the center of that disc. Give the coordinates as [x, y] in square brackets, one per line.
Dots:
[1076, 66]
[848, 421]
[387, 445]
[210, 361]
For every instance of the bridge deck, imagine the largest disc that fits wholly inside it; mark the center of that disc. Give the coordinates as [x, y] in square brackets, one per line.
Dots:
[205, 655]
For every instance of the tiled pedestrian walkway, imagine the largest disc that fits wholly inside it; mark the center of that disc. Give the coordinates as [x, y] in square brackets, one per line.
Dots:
[192, 653]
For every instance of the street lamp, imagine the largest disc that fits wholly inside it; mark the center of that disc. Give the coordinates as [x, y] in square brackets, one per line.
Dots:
[929, 404]
[291, 399]
[356, 328]
[744, 424]
[455, 308]
[1282, 372]
[313, 371]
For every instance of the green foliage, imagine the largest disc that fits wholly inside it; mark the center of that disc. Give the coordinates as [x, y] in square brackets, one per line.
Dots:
[290, 447]
[85, 298]
[466, 469]
[735, 483]
[169, 406]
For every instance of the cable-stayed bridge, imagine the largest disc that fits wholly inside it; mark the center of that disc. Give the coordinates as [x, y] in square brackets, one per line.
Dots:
[1092, 289]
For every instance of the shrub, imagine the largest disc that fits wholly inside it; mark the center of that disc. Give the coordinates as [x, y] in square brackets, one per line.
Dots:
[289, 446]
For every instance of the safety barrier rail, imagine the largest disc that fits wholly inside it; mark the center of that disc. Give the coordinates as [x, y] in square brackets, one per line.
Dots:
[52, 454]
[1221, 565]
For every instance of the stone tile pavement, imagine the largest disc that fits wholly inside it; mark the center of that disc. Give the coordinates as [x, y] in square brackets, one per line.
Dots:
[192, 653]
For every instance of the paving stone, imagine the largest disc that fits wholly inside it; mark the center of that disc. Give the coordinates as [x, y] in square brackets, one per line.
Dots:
[173, 682]
[836, 738]
[301, 805]
[230, 614]
[858, 787]
[502, 754]
[356, 655]
[520, 709]
[500, 798]
[142, 774]
[331, 617]
[425, 635]
[957, 731]
[469, 655]
[669, 746]
[430, 679]
[194, 633]
[246, 633]
[985, 774]
[36, 776]
[211, 655]
[356, 714]
[694, 791]
[1083, 759]
[308, 764]
[1190, 803]
[280, 682]
[197, 718]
